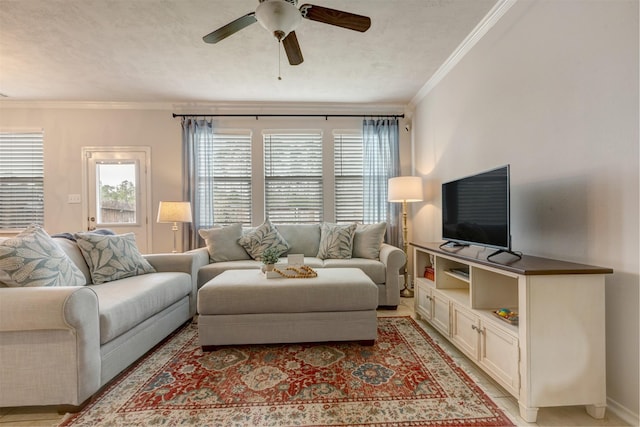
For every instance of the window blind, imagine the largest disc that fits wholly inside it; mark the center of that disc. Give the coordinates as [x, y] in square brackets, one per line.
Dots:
[293, 177]
[21, 179]
[348, 177]
[231, 176]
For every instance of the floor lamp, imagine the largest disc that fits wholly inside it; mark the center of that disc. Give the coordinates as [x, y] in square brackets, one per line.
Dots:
[405, 189]
[174, 212]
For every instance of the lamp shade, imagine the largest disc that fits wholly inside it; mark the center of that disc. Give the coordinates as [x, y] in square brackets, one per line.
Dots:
[405, 189]
[174, 212]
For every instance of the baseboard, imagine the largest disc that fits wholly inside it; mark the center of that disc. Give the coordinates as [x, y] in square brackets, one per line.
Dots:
[622, 412]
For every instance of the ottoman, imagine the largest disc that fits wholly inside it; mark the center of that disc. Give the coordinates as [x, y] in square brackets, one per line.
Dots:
[244, 307]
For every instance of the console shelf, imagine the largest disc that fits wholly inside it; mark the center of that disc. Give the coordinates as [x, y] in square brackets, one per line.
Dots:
[554, 355]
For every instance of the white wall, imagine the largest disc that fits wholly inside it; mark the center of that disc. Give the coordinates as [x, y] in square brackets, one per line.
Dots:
[70, 126]
[552, 89]
[67, 130]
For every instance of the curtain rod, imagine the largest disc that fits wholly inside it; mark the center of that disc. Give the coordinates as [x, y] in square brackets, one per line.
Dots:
[326, 116]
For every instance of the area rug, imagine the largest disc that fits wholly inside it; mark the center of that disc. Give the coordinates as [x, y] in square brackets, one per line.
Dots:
[405, 379]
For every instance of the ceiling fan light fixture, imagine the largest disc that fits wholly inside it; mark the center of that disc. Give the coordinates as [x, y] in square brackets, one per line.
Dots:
[279, 17]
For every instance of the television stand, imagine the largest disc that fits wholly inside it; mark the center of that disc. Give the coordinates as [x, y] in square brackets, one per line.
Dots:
[552, 353]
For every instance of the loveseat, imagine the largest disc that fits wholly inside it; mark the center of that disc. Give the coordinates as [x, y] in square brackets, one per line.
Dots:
[323, 246]
[67, 326]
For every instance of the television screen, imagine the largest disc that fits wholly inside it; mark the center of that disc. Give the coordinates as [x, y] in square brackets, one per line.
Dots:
[475, 210]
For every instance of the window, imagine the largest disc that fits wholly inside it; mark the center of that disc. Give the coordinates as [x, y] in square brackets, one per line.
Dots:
[117, 198]
[348, 176]
[21, 179]
[293, 176]
[231, 178]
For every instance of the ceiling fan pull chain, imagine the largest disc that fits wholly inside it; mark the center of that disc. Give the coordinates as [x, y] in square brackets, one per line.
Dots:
[279, 59]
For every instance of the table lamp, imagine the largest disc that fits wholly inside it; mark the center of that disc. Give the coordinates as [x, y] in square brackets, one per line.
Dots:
[405, 189]
[174, 212]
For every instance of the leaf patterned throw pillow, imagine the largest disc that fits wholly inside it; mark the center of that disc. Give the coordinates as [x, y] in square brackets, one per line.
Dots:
[336, 241]
[265, 236]
[33, 258]
[112, 257]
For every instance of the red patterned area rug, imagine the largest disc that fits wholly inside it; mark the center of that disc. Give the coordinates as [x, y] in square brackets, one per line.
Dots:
[405, 379]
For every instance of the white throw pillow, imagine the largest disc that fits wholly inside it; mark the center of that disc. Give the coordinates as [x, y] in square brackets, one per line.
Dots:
[368, 239]
[112, 257]
[222, 243]
[33, 258]
[336, 241]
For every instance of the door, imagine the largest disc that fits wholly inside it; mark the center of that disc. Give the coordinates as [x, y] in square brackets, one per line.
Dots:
[118, 191]
[440, 313]
[465, 331]
[423, 300]
[500, 357]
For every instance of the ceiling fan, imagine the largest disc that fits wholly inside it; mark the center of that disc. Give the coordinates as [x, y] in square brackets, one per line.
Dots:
[281, 17]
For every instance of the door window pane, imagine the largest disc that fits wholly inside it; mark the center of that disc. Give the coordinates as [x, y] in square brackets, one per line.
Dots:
[117, 195]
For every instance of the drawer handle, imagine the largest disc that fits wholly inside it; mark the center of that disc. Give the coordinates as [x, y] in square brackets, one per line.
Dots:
[477, 329]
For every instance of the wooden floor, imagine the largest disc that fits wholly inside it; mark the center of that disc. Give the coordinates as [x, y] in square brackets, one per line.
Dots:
[564, 416]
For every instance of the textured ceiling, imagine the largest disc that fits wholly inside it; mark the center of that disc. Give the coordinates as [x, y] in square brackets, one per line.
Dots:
[152, 51]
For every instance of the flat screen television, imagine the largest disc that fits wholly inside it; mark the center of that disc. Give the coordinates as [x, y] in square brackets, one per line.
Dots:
[476, 210]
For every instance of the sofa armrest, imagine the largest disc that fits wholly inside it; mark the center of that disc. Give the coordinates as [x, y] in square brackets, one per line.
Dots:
[54, 335]
[183, 263]
[201, 258]
[394, 259]
[45, 308]
[170, 262]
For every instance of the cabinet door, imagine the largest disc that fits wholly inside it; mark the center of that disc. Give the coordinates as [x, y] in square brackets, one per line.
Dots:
[423, 301]
[440, 316]
[465, 330]
[499, 356]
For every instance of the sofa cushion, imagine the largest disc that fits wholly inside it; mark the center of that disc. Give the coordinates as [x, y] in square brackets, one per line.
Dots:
[367, 240]
[222, 243]
[32, 258]
[265, 236]
[125, 303]
[375, 269]
[302, 238]
[112, 257]
[336, 241]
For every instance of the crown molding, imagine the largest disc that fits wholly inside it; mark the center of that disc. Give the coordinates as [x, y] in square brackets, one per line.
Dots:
[86, 105]
[494, 15]
[288, 108]
[196, 108]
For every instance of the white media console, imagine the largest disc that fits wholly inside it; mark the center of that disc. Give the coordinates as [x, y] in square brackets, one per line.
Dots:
[554, 355]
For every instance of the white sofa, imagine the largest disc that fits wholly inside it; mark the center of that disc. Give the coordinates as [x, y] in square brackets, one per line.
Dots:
[380, 261]
[59, 345]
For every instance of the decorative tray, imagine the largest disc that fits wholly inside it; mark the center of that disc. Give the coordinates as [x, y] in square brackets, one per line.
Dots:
[506, 315]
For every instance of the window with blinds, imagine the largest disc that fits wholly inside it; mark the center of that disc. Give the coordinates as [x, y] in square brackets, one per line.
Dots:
[231, 173]
[348, 176]
[293, 177]
[21, 179]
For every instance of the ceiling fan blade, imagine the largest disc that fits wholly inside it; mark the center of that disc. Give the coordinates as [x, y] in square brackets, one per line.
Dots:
[231, 28]
[292, 47]
[338, 18]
